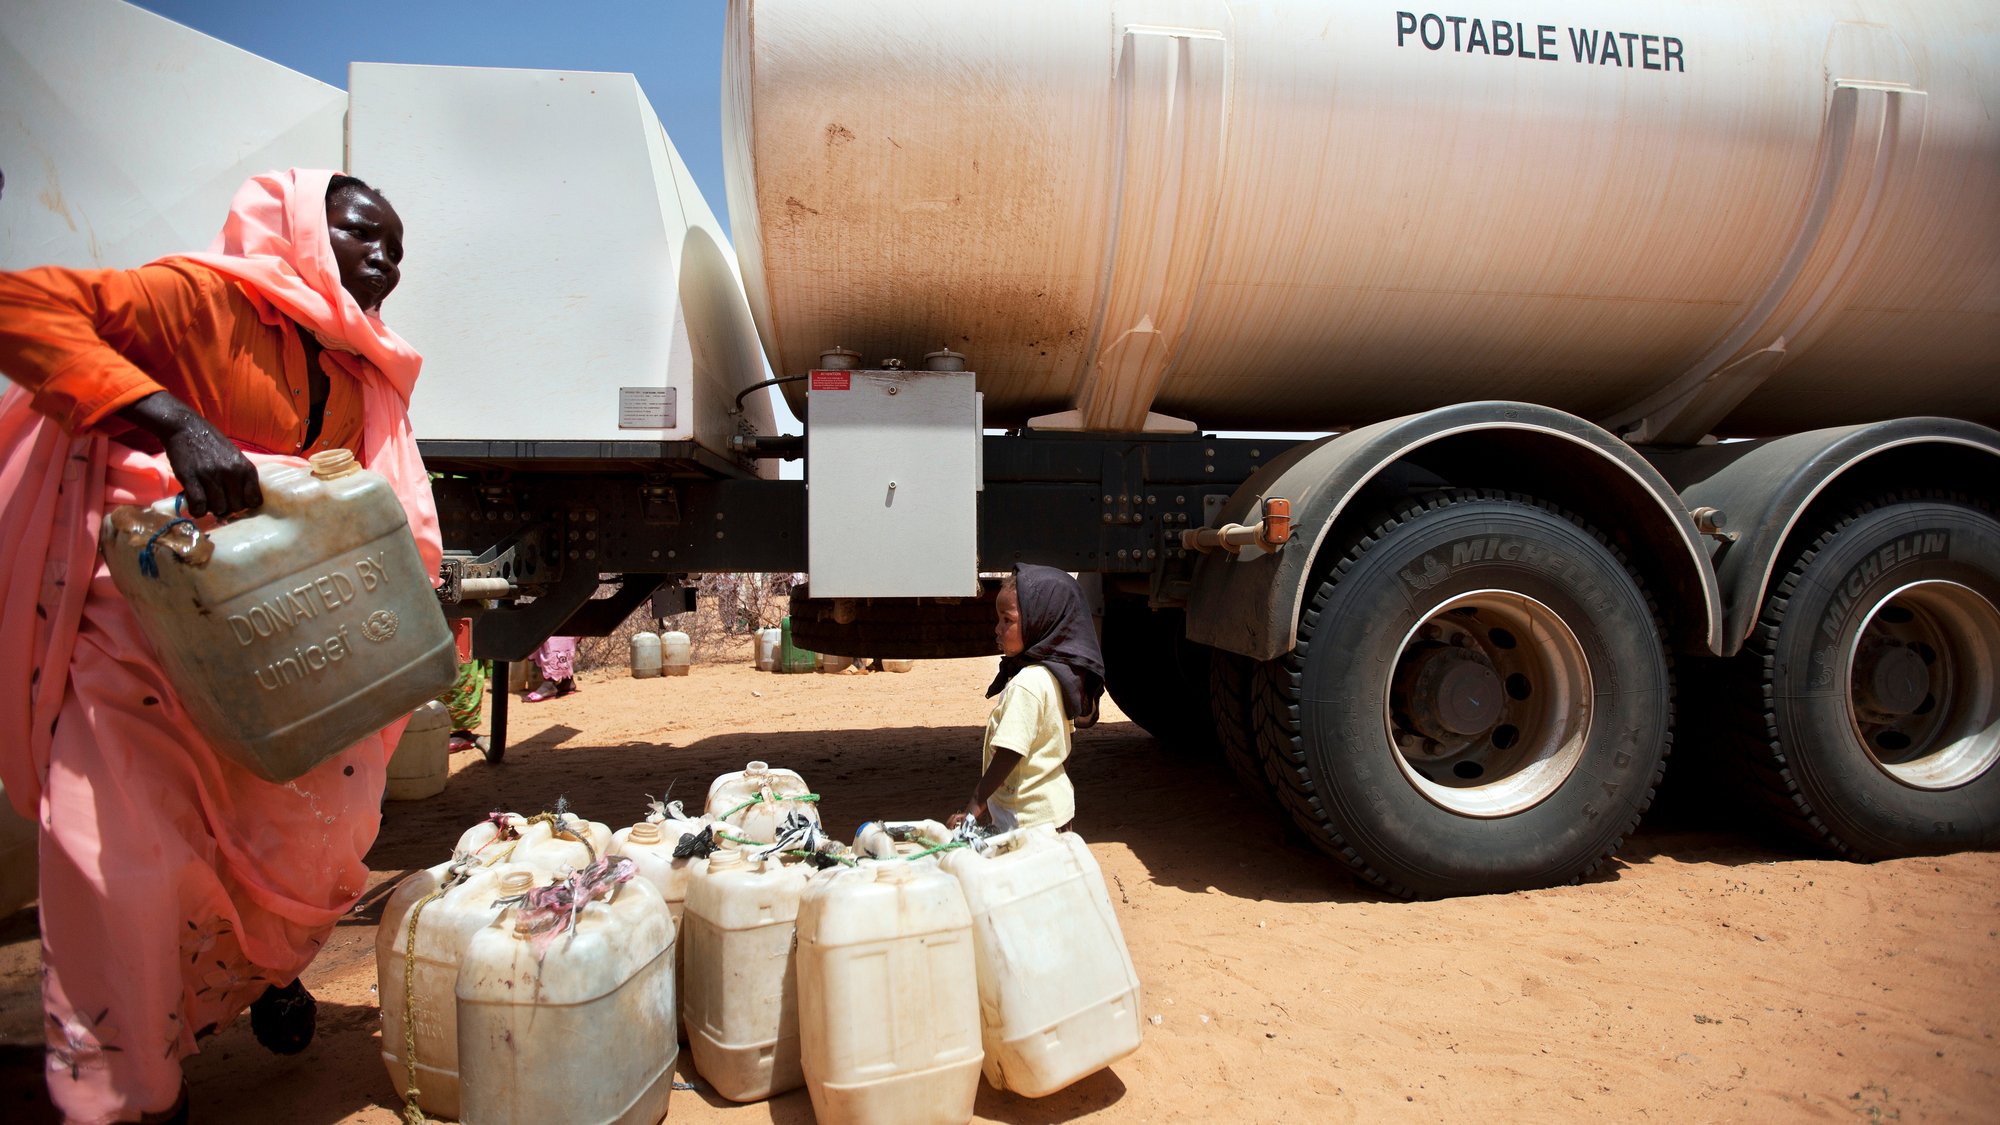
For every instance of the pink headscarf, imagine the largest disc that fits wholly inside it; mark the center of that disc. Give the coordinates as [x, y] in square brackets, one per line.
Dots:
[275, 240]
[55, 487]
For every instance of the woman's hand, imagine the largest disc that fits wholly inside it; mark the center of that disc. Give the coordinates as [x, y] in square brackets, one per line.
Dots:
[215, 476]
[974, 809]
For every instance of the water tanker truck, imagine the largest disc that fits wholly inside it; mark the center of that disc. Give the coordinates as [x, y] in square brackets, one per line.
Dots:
[1655, 347]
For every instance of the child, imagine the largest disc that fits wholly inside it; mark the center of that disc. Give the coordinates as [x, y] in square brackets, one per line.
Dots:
[1051, 675]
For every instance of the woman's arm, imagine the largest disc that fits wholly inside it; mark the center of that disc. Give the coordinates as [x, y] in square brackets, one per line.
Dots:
[214, 474]
[1004, 762]
[64, 335]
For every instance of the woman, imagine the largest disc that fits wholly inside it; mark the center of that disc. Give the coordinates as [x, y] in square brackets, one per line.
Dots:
[177, 888]
[1051, 676]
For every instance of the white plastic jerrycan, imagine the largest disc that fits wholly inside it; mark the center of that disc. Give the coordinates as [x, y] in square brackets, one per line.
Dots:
[755, 800]
[1058, 998]
[498, 857]
[443, 928]
[645, 656]
[676, 653]
[651, 844]
[421, 765]
[888, 1001]
[512, 835]
[582, 1035]
[296, 631]
[741, 1004]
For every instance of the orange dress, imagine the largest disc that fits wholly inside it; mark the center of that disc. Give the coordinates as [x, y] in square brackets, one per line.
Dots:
[88, 343]
[175, 885]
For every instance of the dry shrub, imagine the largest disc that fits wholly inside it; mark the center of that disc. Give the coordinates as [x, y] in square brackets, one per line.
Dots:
[728, 609]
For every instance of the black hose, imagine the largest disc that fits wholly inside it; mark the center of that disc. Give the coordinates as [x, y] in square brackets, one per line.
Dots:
[761, 386]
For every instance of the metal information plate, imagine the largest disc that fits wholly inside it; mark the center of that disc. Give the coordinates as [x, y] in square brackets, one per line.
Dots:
[646, 408]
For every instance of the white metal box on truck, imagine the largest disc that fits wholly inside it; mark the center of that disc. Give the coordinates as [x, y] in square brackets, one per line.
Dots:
[566, 282]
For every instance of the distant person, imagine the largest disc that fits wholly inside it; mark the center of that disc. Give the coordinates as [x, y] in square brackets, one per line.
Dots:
[556, 660]
[177, 888]
[465, 701]
[1051, 675]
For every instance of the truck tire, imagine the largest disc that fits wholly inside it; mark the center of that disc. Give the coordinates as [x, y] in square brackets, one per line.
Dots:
[1864, 709]
[1479, 700]
[1232, 701]
[1156, 675]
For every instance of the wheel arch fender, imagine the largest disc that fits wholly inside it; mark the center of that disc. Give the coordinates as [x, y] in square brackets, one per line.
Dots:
[1768, 488]
[1249, 603]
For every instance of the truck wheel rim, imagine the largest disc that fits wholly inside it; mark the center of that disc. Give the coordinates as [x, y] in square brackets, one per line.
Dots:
[1922, 708]
[1480, 652]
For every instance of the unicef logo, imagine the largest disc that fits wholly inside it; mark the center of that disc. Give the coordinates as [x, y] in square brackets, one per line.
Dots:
[380, 626]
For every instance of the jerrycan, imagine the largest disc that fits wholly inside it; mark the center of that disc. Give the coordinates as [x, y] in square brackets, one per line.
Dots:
[651, 844]
[422, 762]
[754, 801]
[444, 927]
[293, 632]
[676, 653]
[741, 1005]
[792, 658]
[1058, 998]
[645, 656]
[888, 1001]
[501, 856]
[536, 840]
[577, 1028]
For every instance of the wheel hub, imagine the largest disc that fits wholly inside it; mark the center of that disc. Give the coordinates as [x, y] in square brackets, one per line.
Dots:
[1489, 705]
[1452, 693]
[1890, 679]
[1923, 699]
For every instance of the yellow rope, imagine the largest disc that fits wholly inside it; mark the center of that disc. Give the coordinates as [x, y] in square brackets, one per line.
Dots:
[453, 875]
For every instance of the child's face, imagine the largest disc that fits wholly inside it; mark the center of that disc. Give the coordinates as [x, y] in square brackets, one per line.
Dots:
[1008, 631]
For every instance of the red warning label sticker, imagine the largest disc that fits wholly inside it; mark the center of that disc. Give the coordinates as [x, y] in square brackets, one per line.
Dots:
[832, 380]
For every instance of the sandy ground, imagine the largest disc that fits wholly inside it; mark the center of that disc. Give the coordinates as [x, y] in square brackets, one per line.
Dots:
[1708, 974]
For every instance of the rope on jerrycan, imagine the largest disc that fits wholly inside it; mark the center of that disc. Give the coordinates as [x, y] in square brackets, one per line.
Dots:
[461, 867]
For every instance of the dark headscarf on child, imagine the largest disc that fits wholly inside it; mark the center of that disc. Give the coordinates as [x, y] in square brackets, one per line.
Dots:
[1055, 623]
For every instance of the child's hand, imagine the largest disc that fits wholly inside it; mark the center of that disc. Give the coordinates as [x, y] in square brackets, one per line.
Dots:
[974, 809]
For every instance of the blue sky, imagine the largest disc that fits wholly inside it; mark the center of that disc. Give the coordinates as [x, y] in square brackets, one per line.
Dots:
[673, 46]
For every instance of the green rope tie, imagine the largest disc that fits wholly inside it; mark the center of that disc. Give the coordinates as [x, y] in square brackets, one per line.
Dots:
[759, 798]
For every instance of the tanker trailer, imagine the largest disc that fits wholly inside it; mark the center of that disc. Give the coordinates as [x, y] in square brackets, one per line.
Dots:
[1658, 339]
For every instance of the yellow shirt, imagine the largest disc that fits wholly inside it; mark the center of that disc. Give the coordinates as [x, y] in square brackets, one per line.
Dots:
[1029, 720]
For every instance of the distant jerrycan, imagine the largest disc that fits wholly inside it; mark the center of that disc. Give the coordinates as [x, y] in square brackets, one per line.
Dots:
[888, 1002]
[645, 656]
[742, 999]
[1058, 998]
[566, 1006]
[757, 799]
[294, 632]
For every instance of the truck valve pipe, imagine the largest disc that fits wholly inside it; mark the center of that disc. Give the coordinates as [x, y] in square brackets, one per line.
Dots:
[1269, 533]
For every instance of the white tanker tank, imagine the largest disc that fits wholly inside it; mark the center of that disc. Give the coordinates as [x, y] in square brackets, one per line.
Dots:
[1672, 218]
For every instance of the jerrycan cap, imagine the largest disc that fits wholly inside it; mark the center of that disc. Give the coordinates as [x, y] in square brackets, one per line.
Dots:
[644, 832]
[725, 859]
[332, 464]
[515, 882]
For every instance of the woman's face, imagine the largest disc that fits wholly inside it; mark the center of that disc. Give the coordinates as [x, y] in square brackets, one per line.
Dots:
[367, 237]
[1008, 631]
